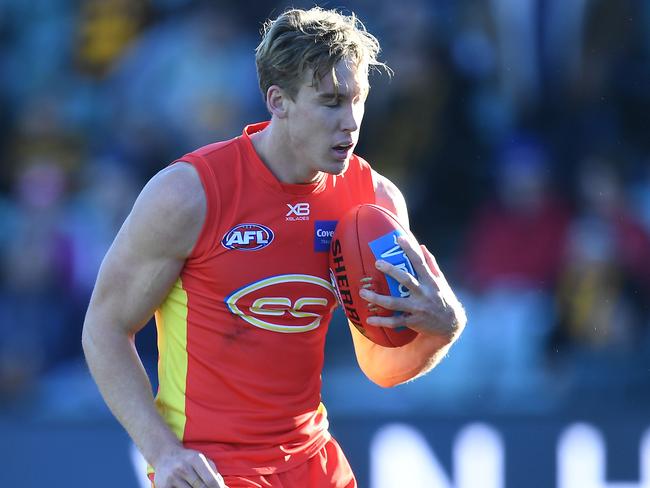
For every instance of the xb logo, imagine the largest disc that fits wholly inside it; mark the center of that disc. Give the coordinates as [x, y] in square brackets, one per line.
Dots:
[299, 211]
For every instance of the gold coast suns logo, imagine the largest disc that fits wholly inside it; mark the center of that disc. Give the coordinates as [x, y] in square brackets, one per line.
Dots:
[287, 303]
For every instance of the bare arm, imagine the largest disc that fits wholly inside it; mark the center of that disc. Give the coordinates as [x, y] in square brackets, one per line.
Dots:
[432, 310]
[138, 271]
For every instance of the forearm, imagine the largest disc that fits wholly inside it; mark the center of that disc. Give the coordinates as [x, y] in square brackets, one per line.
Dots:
[388, 366]
[419, 357]
[123, 382]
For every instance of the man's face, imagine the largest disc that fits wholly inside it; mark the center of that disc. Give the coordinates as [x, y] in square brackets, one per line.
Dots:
[323, 124]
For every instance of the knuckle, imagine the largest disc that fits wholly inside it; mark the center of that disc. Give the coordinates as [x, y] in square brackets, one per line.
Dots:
[398, 273]
[382, 300]
[394, 272]
[393, 303]
[420, 308]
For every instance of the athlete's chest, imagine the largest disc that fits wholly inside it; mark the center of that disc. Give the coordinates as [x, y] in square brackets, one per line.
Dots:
[271, 264]
[280, 235]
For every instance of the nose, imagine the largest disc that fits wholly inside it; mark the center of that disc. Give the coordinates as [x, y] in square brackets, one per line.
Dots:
[351, 117]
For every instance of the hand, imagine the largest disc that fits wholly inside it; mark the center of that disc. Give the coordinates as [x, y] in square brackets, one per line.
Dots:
[431, 308]
[185, 468]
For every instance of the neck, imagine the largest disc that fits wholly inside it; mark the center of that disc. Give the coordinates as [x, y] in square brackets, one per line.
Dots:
[273, 148]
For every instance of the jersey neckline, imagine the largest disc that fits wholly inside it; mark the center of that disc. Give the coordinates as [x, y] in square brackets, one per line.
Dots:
[266, 174]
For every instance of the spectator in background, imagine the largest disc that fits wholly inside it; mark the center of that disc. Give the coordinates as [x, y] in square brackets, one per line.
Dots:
[34, 273]
[184, 84]
[513, 255]
[106, 191]
[105, 29]
[398, 136]
[516, 240]
[603, 290]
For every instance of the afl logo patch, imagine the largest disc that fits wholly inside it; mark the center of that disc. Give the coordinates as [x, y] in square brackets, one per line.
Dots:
[247, 237]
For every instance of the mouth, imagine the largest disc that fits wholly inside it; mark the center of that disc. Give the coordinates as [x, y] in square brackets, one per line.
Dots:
[343, 150]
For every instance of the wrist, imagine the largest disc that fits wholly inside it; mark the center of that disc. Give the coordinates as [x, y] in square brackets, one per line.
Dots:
[162, 448]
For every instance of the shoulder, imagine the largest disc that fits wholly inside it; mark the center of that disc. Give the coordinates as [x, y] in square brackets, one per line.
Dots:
[389, 196]
[360, 166]
[176, 190]
[171, 209]
[216, 149]
[386, 193]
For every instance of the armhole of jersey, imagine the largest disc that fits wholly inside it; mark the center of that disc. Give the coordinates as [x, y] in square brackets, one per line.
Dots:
[207, 236]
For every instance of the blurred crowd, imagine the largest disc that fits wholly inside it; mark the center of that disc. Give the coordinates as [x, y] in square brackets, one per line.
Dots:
[518, 131]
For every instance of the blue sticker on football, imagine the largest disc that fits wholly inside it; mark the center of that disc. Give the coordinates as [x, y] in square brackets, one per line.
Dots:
[387, 248]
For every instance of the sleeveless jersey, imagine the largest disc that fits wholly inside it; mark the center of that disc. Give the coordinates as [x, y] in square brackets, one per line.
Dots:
[241, 334]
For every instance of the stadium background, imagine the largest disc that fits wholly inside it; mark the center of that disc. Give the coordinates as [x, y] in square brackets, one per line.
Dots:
[518, 131]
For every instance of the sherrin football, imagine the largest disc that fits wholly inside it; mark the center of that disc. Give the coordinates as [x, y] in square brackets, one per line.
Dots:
[365, 234]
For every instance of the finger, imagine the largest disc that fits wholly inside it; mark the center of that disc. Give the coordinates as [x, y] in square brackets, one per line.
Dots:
[196, 482]
[403, 278]
[430, 260]
[208, 473]
[178, 479]
[392, 322]
[386, 301]
[413, 253]
[434, 267]
[180, 483]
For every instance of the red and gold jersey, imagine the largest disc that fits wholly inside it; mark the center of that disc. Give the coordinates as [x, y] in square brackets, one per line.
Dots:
[241, 334]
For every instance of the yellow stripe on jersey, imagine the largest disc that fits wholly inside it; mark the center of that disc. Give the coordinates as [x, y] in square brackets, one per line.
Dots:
[171, 322]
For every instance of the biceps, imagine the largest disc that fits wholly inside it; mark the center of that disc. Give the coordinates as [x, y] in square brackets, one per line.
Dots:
[130, 286]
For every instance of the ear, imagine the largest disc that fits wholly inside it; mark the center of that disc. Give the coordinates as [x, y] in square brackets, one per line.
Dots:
[277, 101]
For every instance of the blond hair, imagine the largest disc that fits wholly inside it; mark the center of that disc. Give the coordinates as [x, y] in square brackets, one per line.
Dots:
[316, 40]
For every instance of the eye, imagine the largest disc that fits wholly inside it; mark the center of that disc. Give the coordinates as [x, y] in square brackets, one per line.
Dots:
[333, 103]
